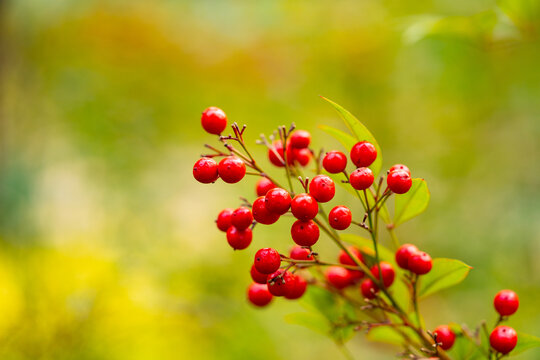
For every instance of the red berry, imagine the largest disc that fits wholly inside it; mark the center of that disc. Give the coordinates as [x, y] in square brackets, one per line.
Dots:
[506, 302]
[205, 170]
[356, 275]
[261, 214]
[214, 120]
[322, 188]
[361, 178]
[297, 288]
[224, 219]
[340, 217]
[278, 160]
[334, 162]
[267, 260]
[503, 339]
[259, 295]
[304, 207]
[345, 259]
[231, 169]
[403, 254]
[363, 154]
[305, 233]
[300, 253]
[280, 282]
[301, 156]
[241, 218]
[263, 185]
[239, 239]
[369, 289]
[445, 336]
[386, 272]
[338, 277]
[258, 276]
[278, 201]
[300, 139]
[420, 263]
[399, 181]
[400, 167]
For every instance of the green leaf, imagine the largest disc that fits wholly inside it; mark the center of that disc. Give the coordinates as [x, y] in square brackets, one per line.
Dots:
[312, 321]
[360, 132]
[345, 139]
[412, 203]
[525, 342]
[389, 335]
[322, 301]
[445, 273]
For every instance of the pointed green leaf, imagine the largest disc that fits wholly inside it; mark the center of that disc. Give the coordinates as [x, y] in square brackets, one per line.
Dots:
[445, 273]
[345, 139]
[412, 203]
[525, 342]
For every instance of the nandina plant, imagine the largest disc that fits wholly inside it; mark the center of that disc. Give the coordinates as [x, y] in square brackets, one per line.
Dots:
[370, 287]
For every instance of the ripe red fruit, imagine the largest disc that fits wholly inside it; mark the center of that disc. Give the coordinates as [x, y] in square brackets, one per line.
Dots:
[223, 221]
[445, 336]
[305, 233]
[334, 162]
[278, 161]
[400, 167]
[278, 201]
[205, 170]
[503, 339]
[363, 154]
[420, 263]
[263, 185]
[280, 282]
[300, 139]
[231, 169]
[239, 239]
[340, 217]
[338, 277]
[304, 207]
[506, 302]
[399, 181]
[258, 276]
[386, 273]
[241, 218]
[297, 288]
[214, 120]
[361, 178]
[346, 259]
[369, 289]
[403, 254]
[300, 253]
[301, 156]
[267, 260]
[322, 188]
[261, 214]
[259, 295]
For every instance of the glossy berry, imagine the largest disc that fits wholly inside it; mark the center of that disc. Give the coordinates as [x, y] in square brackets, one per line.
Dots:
[361, 178]
[420, 263]
[242, 218]
[263, 185]
[278, 201]
[363, 154]
[386, 273]
[223, 221]
[340, 217]
[400, 167]
[322, 188]
[231, 169]
[445, 336]
[345, 259]
[304, 207]
[261, 214]
[301, 156]
[267, 260]
[503, 339]
[338, 277]
[305, 233]
[278, 161]
[205, 170]
[280, 282]
[403, 254]
[334, 162]
[399, 181]
[506, 302]
[259, 295]
[369, 289]
[297, 288]
[239, 239]
[300, 253]
[258, 276]
[214, 120]
[300, 139]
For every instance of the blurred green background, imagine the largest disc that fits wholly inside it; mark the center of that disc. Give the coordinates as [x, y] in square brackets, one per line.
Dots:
[107, 245]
